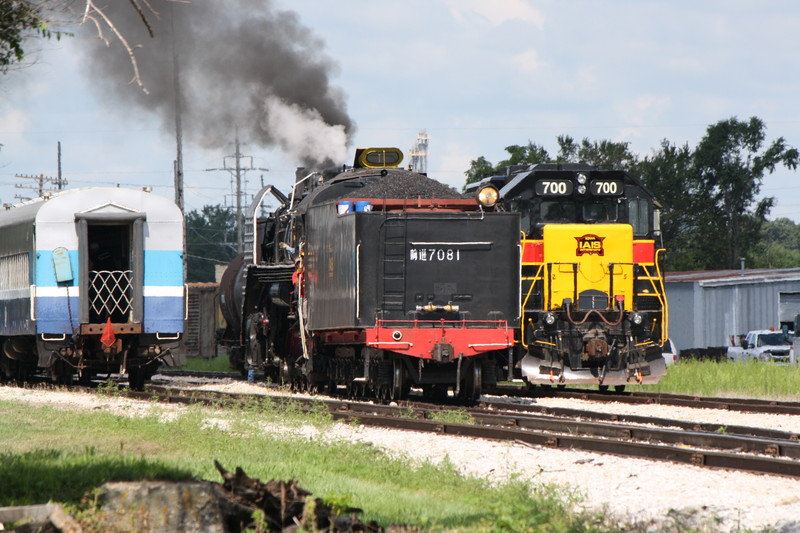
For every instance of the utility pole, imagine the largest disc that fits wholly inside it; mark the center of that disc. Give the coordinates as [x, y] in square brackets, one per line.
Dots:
[179, 201]
[238, 172]
[178, 165]
[60, 182]
[40, 180]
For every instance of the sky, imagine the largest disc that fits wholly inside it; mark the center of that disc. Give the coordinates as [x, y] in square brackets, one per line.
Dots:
[476, 76]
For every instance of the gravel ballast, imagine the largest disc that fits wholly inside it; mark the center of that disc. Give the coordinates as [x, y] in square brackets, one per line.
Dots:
[633, 489]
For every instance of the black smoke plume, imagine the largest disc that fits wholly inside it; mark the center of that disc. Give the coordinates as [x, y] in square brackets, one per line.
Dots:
[243, 64]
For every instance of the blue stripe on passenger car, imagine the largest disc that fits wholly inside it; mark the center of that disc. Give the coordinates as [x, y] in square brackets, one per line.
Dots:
[161, 268]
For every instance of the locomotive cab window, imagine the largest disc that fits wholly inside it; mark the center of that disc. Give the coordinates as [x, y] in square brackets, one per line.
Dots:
[558, 211]
[524, 207]
[638, 211]
[600, 211]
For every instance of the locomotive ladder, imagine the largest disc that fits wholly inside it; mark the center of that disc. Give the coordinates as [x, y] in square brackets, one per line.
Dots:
[394, 264]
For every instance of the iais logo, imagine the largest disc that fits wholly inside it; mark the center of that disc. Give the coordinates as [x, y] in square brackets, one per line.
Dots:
[589, 244]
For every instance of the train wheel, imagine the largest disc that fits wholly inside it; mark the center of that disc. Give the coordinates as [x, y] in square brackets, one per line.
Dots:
[61, 373]
[603, 388]
[619, 388]
[471, 391]
[254, 350]
[399, 389]
[286, 375]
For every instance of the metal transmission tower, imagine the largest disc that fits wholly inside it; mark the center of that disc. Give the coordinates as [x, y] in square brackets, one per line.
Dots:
[238, 185]
[419, 153]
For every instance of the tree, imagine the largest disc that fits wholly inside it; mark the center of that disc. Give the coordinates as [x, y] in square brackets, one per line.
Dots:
[210, 241]
[529, 154]
[670, 176]
[478, 169]
[19, 19]
[730, 166]
[602, 154]
[517, 154]
[779, 246]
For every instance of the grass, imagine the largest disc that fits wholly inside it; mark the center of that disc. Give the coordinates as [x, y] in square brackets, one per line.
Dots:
[220, 363]
[751, 379]
[726, 379]
[44, 458]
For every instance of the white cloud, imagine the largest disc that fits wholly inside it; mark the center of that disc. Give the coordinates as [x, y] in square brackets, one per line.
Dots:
[450, 166]
[643, 109]
[14, 124]
[528, 61]
[496, 12]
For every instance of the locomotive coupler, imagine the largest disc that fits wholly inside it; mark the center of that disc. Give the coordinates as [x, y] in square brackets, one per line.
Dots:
[443, 352]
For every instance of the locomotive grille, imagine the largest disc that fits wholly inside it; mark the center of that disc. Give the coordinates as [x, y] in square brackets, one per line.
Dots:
[110, 292]
[648, 303]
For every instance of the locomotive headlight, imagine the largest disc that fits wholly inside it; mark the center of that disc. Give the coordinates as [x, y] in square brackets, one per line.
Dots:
[487, 196]
[549, 319]
[581, 178]
[581, 189]
[636, 318]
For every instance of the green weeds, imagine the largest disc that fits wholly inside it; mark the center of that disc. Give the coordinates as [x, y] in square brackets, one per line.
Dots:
[62, 455]
[750, 379]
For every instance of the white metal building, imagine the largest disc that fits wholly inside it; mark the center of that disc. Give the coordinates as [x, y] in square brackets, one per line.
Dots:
[706, 308]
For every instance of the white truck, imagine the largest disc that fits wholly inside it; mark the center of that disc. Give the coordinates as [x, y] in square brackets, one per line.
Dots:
[764, 345]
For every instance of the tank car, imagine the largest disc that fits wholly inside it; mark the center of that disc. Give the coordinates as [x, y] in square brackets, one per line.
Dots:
[375, 279]
[594, 309]
[92, 282]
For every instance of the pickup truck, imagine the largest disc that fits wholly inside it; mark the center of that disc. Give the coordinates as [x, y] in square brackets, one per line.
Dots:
[764, 345]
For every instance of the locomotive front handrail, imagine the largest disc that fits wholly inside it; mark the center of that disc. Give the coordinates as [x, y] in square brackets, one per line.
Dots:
[387, 324]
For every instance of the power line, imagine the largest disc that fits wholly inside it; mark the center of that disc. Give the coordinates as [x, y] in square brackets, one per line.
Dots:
[238, 173]
[40, 187]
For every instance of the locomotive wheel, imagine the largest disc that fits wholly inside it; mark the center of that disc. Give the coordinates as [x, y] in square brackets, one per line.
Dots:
[619, 388]
[603, 388]
[399, 389]
[286, 374]
[471, 391]
[253, 350]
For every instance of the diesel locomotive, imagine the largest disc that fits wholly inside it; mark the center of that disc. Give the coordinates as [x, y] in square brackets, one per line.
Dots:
[91, 283]
[374, 279]
[594, 309]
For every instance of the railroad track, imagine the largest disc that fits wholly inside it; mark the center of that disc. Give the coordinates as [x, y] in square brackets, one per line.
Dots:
[744, 405]
[737, 449]
[636, 398]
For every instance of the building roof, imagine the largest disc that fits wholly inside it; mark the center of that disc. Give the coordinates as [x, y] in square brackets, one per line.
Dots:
[710, 278]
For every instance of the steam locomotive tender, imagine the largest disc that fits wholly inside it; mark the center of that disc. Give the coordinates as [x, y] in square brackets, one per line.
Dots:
[377, 279]
[92, 282]
[593, 302]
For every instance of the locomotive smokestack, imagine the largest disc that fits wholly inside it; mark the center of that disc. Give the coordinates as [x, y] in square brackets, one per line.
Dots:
[243, 63]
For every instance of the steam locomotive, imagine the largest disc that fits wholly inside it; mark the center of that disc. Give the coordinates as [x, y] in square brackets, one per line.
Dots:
[92, 282]
[374, 279]
[594, 309]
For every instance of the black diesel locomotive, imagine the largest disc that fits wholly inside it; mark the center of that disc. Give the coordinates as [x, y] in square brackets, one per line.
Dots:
[377, 279]
[594, 309]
